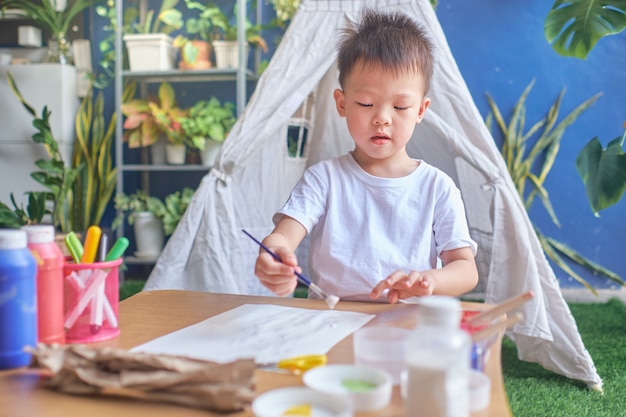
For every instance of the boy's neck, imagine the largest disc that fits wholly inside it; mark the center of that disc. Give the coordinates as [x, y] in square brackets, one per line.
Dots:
[397, 166]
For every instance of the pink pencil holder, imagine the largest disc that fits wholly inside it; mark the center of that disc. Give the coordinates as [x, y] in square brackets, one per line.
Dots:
[91, 301]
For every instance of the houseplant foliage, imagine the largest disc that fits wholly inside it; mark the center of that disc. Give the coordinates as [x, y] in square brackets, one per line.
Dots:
[285, 10]
[169, 212]
[225, 30]
[208, 120]
[573, 27]
[57, 22]
[197, 28]
[54, 175]
[603, 172]
[95, 183]
[167, 20]
[18, 216]
[147, 119]
[529, 164]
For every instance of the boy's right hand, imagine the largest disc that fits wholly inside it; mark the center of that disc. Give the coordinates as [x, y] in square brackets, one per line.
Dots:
[278, 277]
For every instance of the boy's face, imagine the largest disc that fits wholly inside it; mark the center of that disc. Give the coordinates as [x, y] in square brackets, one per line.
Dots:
[381, 110]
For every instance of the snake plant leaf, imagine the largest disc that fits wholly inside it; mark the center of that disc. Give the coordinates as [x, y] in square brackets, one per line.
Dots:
[573, 27]
[603, 172]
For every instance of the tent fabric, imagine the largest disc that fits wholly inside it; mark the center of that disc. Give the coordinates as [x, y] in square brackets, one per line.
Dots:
[254, 174]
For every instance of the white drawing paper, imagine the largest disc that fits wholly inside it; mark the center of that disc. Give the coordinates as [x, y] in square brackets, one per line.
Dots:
[267, 333]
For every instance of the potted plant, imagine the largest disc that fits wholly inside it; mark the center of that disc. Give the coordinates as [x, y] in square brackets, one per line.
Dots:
[167, 116]
[225, 42]
[56, 20]
[195, 48]
[152, 218]
[147, 120]
[175, 206]
[151, 48]
[144, 213]
[207, 126]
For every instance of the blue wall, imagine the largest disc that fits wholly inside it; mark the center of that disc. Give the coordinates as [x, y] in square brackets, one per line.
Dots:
[500, 47]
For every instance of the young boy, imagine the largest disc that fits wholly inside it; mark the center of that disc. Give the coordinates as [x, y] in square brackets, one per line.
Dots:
[379, 220]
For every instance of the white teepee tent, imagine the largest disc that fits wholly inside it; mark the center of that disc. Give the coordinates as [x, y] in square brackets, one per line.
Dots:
[255, 173]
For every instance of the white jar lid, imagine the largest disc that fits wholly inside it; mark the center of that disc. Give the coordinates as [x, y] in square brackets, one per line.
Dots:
[39, 233]
[12, 239]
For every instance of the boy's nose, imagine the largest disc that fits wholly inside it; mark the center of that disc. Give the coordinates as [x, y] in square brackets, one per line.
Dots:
[382, 118]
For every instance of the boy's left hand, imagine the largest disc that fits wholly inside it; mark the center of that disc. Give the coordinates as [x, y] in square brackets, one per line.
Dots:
[401, 286]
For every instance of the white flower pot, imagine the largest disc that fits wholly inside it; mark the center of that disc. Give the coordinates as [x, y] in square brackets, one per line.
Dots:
[227, 54]
[149, 235]
[175, 154]
[210, 152]
[150, 51]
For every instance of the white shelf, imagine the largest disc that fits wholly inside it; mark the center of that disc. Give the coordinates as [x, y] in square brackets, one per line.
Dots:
[240, 76]
[161, 167]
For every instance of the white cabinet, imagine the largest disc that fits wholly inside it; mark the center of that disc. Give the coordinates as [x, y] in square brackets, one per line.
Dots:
[51, 85]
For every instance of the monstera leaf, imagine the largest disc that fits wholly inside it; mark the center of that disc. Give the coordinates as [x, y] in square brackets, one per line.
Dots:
[573, 27]
[603, 172]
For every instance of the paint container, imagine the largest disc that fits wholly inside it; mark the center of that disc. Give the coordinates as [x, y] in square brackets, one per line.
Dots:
[50, 262]
[287, 401]
[91, 301]
[18, 299]
[367, 388]
[382, 347]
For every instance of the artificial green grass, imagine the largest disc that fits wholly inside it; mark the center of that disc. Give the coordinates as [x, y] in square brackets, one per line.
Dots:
[534, 391]
[130, 287]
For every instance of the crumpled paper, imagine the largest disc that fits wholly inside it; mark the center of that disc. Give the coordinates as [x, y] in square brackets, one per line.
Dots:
[78, 369]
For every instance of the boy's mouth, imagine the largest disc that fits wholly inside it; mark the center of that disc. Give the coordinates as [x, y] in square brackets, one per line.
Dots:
[380, 138]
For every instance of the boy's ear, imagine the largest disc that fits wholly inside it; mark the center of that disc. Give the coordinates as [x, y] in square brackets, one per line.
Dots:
[422, 110]
[340, 102]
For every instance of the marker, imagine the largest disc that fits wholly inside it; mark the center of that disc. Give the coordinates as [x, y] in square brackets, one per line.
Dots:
[117, 250]
[91, 245]
[74, 246]
[103, 247]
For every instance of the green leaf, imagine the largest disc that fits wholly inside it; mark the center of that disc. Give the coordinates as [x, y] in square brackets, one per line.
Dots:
[573, 27]
[603, 171]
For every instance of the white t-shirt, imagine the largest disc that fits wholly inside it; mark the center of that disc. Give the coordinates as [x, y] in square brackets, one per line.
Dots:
[363, 227]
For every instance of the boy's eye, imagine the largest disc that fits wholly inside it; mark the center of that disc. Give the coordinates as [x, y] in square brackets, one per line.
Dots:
[364, 104]
[400, 108]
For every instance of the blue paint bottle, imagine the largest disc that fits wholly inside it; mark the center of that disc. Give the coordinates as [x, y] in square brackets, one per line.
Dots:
[18, 301]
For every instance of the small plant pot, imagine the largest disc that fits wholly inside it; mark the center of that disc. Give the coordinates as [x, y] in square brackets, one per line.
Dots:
[150, 51]
[175, 154]
[227, 54]
[203, 59]
[210, 152]
[149, 235]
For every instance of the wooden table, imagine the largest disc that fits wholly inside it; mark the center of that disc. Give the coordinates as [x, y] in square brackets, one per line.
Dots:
[148, 315]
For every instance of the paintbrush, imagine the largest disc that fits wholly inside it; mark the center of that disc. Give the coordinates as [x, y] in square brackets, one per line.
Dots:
[496, 327]
[500, 309]
[331, 300]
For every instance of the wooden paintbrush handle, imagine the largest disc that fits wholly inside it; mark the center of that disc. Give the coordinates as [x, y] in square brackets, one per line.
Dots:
[502, 308]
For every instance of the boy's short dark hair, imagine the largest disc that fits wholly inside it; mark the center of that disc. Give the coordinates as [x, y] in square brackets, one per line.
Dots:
[392, 40]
